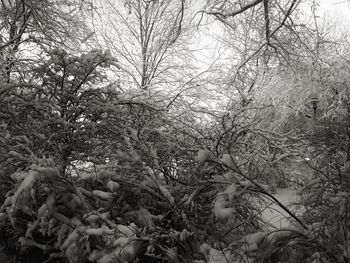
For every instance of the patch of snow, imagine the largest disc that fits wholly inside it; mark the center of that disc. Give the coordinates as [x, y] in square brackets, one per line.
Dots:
[112, 186]
[229, 176]
[103, 195]
[166, 194]
[220, 210]
[204, 155]
[127, 231]
[252, 240]
[229, 161]
[231, 191]
[215, 256]
[274, 214]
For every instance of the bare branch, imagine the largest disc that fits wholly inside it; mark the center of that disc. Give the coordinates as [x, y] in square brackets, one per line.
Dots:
[234, 13]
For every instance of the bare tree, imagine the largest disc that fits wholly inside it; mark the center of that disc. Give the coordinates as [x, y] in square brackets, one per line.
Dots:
[25, 23]
[263, 35]
[150, 40]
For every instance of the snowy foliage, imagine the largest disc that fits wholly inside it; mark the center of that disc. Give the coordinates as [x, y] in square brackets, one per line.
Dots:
[204, 155]
[95, 169]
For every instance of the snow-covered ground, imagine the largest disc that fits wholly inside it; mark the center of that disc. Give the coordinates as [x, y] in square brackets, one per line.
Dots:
[274, 214]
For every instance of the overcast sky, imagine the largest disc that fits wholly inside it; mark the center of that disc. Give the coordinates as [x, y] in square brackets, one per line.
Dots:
[329, 11]
[336, 10]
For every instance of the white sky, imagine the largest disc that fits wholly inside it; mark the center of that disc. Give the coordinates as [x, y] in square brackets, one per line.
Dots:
[209, 46]
[335, 7]
[335, 12]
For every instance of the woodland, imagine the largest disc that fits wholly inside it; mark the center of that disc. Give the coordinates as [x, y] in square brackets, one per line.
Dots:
[159, 131]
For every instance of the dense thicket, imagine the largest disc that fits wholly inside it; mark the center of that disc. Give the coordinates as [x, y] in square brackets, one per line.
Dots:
[97, 168]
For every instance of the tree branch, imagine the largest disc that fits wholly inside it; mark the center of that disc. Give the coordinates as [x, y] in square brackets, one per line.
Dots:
[234, 13]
